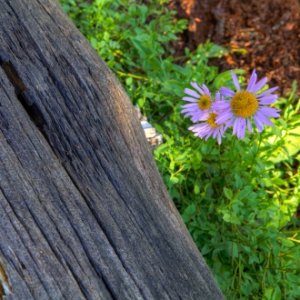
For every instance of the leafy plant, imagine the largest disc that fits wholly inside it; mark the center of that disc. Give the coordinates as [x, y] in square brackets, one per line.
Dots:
[237, 199]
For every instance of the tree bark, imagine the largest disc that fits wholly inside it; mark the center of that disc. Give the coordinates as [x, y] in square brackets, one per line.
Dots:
[84, 213]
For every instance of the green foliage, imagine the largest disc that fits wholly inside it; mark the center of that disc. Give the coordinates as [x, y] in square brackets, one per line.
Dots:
[238, 199]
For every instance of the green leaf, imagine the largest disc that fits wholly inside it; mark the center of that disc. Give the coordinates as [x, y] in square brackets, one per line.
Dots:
[272, 293]
[228, 193]
[189, 212]
[196, 189]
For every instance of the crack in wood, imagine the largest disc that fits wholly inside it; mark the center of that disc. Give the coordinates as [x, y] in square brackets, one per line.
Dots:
[34, 113]
[13, 76]
[21, 91]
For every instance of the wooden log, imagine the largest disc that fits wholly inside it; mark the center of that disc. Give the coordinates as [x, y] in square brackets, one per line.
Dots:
[84, 213]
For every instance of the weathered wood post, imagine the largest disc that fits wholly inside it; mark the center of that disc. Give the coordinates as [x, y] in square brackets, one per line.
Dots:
[83, 211]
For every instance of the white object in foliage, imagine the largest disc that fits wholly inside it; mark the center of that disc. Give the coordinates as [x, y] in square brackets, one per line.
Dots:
[152, 136]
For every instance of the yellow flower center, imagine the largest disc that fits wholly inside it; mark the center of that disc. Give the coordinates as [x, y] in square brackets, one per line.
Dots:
[204, 102]
[244, 104]
[212, 120]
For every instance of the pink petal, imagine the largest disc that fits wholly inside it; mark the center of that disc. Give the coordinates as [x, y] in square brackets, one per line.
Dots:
[223, 117]
[200, 116]
[235, 81]
[258, 123]
[266, 100]
[249, 126]
[241, 128]
[235, 126]
[221, 105]
[194, 105]
[269, 111]
[206, 90]
[196, 127]
[229, 124]
[191, 93]
[268, 92]
[263, 119]
[218, 97]
[226, 92]
[197, 87]
[252, 81]
[260, 84]
[189, 99]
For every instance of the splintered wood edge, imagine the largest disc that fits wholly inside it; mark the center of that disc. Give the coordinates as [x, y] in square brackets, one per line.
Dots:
[5, 286]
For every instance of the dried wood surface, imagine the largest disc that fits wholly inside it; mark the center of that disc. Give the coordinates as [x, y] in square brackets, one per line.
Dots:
[83, 211]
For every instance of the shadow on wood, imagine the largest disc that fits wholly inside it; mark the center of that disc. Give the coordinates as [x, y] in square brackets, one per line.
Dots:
[84, 213]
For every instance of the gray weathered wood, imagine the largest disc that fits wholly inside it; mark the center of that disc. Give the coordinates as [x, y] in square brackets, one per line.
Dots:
[83, 211]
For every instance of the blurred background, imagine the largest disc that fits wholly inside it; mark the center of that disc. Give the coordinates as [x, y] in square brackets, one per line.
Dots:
[258, 34]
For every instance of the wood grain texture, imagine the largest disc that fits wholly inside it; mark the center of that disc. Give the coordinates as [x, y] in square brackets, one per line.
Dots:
[84, 213]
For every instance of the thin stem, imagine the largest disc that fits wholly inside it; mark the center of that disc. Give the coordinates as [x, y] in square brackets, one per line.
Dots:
[256, 153]
[132, 75]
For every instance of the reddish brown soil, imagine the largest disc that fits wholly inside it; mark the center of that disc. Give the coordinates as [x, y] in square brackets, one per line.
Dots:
[261, 34]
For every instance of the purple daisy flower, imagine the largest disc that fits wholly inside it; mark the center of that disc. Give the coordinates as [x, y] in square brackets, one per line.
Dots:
[246, 105]
[209, 127]
[200, 102]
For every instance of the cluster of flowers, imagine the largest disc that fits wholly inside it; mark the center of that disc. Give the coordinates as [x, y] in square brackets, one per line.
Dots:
[237, 109]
